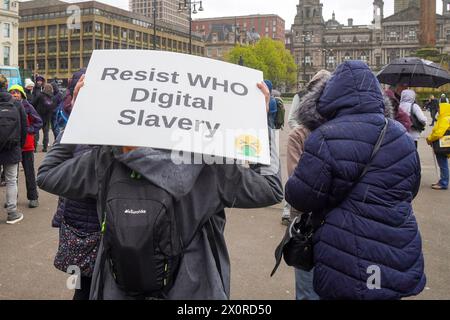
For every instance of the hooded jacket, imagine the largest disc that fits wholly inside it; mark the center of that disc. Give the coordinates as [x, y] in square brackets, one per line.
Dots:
[408, 105]
[443, 123]
[14, 155]
[202, 191]
[362, 222]
[34, 124]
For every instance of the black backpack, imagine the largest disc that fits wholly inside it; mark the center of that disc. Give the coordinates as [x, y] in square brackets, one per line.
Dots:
[416, 124]
[9, 126]
[281, 111]
[141, 238]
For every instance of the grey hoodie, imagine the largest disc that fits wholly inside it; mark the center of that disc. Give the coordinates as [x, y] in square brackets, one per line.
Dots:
[203, 192]
[408, 105]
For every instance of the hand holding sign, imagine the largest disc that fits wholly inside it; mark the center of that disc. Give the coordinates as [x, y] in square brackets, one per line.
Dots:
[78, 86]
[171, 101]
[265, 90]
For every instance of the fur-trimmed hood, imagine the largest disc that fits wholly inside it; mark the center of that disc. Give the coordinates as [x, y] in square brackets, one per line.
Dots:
[305, 112]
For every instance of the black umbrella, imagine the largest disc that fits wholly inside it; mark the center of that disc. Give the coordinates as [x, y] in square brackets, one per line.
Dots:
[414, 72]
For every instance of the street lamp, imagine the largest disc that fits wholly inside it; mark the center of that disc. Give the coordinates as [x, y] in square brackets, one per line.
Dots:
[154, 24]
[306, 38]
[190, 5]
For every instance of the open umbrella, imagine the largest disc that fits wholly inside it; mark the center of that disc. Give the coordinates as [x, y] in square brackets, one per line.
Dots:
[414, 72]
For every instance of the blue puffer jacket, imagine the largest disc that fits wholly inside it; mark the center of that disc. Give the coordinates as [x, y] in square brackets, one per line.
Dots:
[368, 222]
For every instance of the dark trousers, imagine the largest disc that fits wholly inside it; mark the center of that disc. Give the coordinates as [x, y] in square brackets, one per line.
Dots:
[30, 176]
[433, 116]
[83, 293]
[45, 129]
[55, 127]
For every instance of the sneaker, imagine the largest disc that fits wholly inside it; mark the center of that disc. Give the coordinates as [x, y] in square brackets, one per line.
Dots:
[438, 187]
[33, 204]
[13, 218]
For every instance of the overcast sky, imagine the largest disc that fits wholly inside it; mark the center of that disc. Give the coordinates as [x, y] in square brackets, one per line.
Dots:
[360, 10]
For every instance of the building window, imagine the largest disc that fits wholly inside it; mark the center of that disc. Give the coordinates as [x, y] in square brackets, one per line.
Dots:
[363, 57]
[6, 4]
[6, 30]
[98, 27]
[347, 57]
[378, 61]
[308, 60]
[41, 32]
[412, 35]
[30, 33]
[87, 27]
[331, 61]
[393, 36]
[6, 56]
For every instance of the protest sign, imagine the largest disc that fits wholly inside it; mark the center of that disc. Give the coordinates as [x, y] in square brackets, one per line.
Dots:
[171, 101]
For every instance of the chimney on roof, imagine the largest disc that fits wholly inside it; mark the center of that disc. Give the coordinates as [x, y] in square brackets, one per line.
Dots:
[350, 22]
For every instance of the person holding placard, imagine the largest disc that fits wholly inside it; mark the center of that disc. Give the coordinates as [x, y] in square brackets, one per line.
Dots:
[202, 192]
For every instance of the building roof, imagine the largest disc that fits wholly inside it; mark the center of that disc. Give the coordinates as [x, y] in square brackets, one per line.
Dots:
[238, 17]
[408, 14]
[40, 3]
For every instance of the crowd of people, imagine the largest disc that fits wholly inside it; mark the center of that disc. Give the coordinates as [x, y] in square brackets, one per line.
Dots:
[353, 169]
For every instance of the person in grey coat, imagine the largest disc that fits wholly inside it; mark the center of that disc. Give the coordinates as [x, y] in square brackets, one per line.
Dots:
[203, 192]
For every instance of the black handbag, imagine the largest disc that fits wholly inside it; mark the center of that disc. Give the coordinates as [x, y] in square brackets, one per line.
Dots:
[442, 146]
[416, 123]
[297, 245]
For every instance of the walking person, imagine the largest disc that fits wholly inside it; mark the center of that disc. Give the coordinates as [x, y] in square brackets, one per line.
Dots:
[13, 133]
[202, 193]
[45, 106]
[29, 86]
[358, 175]
[444, 98]
[441, 128]
[34, 124]
[57, 100]
[433, 106]
[38, 87]
[419, 120]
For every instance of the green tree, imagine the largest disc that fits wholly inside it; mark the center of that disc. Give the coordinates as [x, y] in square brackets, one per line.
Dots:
[271, 58]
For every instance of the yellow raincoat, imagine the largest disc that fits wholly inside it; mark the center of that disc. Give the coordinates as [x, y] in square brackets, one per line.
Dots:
[443, 123]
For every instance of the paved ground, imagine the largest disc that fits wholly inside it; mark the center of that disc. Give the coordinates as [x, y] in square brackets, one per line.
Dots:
[27, 249]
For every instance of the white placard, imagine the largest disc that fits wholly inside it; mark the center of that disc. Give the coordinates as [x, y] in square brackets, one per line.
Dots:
[171, 101]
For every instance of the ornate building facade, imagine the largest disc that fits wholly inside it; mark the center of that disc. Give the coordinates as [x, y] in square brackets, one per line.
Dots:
[9, 32]
[318, 44]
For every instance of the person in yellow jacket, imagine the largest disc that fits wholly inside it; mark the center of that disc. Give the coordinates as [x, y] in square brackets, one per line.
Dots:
[439, 130]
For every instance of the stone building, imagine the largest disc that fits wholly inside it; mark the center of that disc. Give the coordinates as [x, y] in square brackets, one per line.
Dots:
[400, 5]
[221, 34]
[9, 32]
[318, 44]
[57, 38]
[166, 11]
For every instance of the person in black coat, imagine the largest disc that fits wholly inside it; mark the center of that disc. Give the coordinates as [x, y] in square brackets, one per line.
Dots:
[12, 155]
[433, 106]
[44, 105]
